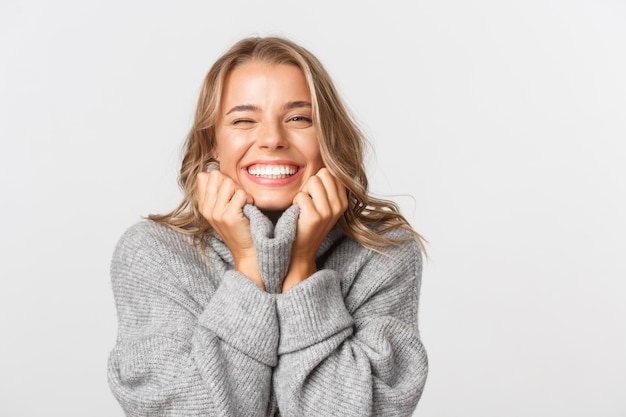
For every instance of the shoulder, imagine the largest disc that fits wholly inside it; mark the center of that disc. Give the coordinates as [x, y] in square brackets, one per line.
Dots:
[147, 242]
[405, 253]
[382, 281]
[149, 234]
[401, 261]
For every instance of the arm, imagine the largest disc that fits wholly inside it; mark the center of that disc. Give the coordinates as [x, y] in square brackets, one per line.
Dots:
[357, 354]
[188, 345]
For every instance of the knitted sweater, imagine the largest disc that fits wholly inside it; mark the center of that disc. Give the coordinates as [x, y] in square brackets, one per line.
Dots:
[197, 338]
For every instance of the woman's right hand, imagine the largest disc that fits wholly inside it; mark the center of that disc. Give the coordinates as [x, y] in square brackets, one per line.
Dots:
[221, 201]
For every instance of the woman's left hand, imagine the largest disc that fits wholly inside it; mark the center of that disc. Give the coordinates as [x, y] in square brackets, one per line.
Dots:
[322, 200]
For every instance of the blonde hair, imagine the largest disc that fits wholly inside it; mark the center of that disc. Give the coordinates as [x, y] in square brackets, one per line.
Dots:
[341, 142]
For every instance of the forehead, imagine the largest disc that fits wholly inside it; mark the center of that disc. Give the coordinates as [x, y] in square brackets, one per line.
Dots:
[261, 80]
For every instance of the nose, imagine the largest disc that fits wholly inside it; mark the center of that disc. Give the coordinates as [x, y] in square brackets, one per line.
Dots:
[272, 136]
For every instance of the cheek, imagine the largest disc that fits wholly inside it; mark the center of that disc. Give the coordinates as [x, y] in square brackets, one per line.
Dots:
[227, 146]
[228, 165]
[309, 148]
[314, 156]
[227, 157]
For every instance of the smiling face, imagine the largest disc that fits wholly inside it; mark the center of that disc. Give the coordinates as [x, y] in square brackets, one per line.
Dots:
[265, 138]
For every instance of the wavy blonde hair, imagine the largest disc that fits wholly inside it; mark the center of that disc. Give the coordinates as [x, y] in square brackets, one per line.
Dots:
[341, 142]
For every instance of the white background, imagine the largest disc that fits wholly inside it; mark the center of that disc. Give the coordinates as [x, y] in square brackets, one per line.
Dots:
[499, 126]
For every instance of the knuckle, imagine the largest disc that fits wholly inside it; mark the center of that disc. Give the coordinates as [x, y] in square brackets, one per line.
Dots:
[315, 217]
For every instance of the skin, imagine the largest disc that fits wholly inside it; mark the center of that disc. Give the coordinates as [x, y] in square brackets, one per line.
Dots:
[265, 120]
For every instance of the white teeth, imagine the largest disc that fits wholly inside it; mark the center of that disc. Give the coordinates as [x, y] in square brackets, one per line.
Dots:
[272, 171]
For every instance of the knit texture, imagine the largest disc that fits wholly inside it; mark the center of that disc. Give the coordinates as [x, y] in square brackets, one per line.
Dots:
[196, 338]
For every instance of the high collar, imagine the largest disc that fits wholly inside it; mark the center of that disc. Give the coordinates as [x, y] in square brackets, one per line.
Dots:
[273, 244]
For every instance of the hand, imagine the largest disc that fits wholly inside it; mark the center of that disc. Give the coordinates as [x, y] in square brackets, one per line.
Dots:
[322, 200]
[221, 201]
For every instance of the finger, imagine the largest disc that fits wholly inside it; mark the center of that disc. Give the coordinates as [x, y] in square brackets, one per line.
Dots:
[201, 184]
[342, 195]
[319, 195]
[335, 190]
[224, 195]
[231, 215]
[206, 186]
[308, 211]
[239, 199]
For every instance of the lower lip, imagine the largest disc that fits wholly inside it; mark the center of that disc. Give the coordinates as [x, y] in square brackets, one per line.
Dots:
[272, 182]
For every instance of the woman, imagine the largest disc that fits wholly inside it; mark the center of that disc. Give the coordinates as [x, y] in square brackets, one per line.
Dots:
[278, 286]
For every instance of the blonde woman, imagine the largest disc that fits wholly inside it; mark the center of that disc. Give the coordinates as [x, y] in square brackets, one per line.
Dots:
[278, 286]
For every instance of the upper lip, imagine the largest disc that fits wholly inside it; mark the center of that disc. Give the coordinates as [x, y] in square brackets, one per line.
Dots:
[272, 162]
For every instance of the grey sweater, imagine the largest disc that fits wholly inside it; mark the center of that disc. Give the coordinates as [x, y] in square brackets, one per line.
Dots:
[196, 338]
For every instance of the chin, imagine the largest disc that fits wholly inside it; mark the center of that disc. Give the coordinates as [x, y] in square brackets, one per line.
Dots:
[272, 207]
[271, 204]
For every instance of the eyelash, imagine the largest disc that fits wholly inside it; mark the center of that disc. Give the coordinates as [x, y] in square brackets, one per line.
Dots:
[237, 121]
[301, 118]
[293, 119]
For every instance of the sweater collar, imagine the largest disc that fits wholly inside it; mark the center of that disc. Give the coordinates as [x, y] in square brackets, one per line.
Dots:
[273, 243]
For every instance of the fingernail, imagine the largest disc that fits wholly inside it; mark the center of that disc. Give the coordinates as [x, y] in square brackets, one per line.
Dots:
[212, 166]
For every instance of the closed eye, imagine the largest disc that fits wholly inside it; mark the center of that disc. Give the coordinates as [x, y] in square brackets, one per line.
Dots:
[242, 121]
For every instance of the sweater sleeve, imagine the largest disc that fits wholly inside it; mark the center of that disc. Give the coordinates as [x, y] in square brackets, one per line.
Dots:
[177, 356]
[354, 355]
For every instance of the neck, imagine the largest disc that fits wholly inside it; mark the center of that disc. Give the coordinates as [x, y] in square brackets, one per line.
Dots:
[273, 215]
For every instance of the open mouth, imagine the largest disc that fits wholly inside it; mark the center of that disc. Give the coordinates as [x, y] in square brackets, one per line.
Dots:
[272, 171]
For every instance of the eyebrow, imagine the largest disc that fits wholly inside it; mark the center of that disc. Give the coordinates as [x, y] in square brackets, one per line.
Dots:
[251, 107]
[244, 107]
[296, 105]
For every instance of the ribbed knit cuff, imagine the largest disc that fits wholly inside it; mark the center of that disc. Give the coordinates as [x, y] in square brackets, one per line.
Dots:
[272, 244]
[244, 316]
[311, 311]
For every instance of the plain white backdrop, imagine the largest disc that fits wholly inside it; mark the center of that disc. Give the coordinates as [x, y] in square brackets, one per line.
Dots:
[499, 127]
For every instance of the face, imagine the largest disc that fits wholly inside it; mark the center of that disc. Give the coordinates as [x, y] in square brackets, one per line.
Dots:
[265, 139]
